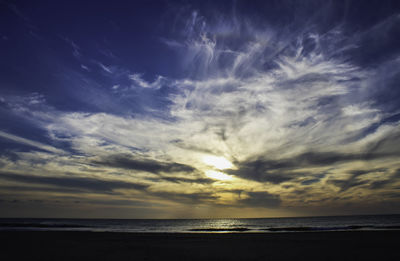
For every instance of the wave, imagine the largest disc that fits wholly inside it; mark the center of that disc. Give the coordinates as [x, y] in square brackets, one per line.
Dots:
[238, 229]
[40, 225]
[352, 227]
[182, 226]
[296, 229]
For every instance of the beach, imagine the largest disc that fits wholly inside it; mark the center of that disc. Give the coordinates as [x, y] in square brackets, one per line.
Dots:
[72, 245]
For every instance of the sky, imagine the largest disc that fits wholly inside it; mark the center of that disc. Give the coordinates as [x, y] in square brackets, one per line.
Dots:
[199, 109]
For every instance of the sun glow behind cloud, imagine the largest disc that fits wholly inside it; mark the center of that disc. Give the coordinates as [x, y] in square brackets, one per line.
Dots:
[218, 175]
[217, 162]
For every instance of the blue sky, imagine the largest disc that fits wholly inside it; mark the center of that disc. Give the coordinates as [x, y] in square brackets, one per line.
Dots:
[194, 109]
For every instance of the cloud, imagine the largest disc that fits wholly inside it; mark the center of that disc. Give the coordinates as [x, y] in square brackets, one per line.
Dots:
[84, 183]
[105, 68]
[195, 197]
[391, 180]
[260, 199]
[19, 189]
[137, 79]
[84, 67]
[358, 178]
[259, 172]
[349, 183]
[359, 172]
[282, 170]
[370, 51]
[380, 184]
[252, 114]
[184, 180]
[31, 143]
[283, 101]
[126, 162]
[18, 12]
[76, 49]
[310, 181]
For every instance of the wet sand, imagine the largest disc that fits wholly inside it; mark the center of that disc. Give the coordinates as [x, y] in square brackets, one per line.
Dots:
[46, 245]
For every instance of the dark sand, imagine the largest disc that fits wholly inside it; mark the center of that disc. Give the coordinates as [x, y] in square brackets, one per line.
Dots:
[354, 245]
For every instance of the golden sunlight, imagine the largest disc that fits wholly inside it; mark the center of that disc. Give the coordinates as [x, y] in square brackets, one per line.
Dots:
[217, 162]
[218, 175]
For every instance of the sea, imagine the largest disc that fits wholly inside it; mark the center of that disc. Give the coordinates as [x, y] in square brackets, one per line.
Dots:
[223, 225]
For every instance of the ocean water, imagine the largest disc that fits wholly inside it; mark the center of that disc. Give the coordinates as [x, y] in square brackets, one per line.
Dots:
[253, 225]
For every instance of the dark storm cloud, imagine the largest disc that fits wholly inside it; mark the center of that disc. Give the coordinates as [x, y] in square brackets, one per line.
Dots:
[359, 172]
[89, 184]
[310, 181]
[388, 146]
[322, 158]
[373, 127]
[41, 189]
[392, 179]
[261, 199]
[264, 176]
[196, 197]
[67, 200]
[184, 180]
[348, 183]
[355, 181]
[380, 184]
[152, 166]
[278, 171]
[77, 185]
[238, 192]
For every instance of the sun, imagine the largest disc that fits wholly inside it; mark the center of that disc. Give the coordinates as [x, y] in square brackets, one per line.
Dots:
[217, 162]
[218, 175]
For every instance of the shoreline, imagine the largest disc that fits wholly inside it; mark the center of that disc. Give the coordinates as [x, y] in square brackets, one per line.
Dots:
[198, 231]
[72, 245]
